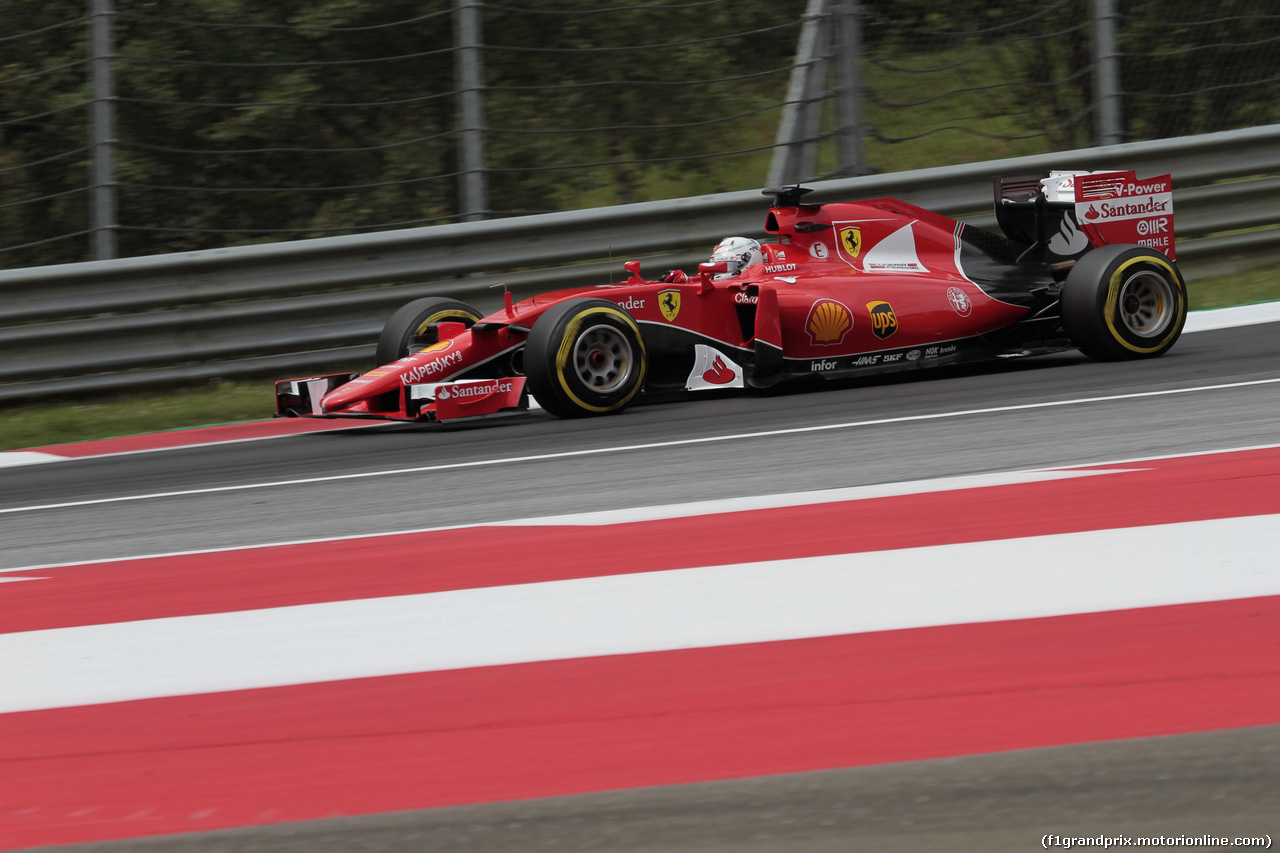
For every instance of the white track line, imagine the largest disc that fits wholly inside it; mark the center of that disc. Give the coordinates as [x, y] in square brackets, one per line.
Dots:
[657, 445]
[1197, 321]
[14, 458]
[771, 601]
[709, 507]
[665, 511]
[1229, 318]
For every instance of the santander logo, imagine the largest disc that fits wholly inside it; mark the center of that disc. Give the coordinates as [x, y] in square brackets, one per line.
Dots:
[719, 373]
[1069, 240]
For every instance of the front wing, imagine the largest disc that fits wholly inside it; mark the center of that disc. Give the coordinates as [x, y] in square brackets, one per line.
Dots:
[429, 401]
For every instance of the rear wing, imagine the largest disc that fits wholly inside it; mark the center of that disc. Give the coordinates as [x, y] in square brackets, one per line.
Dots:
[1066, 214]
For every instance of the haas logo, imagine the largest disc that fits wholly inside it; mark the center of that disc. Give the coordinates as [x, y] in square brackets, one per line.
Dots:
[719, 373]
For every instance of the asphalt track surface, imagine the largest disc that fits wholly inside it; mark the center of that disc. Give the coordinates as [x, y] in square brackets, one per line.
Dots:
[1215, 390]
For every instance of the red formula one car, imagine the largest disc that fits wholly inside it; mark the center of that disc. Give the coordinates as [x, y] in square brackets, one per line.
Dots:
[848, 289]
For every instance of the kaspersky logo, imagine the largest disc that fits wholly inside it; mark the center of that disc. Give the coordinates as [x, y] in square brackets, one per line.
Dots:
[425, 371]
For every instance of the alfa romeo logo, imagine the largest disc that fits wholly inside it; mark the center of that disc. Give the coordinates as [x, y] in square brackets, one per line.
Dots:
[959, 300]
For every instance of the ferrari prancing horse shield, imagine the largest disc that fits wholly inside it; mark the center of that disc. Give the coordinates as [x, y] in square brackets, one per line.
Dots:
[851, 241]
[669, 304]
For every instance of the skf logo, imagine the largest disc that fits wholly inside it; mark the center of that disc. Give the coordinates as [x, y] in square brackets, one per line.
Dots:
[828, 322]
[883, 321]
[669, 304]
[851, 240]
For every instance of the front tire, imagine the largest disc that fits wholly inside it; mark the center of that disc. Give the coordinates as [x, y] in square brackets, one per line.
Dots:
[1124, 302]
[585, 357]
[413, 319]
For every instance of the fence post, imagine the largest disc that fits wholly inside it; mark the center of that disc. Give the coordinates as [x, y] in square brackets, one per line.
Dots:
[1108, 129]
[849, 87]
[473, 193]
[798, 125]
[102, 188]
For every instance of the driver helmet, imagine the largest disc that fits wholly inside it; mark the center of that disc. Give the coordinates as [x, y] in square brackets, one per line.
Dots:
[739, 253]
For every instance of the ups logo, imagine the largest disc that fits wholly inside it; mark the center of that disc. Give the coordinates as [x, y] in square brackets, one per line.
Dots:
[883, 321]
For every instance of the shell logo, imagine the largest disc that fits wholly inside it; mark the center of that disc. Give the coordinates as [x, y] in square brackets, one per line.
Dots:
[829, 321]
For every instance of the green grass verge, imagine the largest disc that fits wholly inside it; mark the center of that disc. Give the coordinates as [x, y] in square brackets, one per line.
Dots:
[38, 424]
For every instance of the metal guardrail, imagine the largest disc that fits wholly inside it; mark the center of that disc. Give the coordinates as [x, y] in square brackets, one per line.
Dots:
[314, 305]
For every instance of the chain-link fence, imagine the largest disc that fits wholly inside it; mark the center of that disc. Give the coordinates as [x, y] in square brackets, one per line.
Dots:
[1025, 76]
[170, 126]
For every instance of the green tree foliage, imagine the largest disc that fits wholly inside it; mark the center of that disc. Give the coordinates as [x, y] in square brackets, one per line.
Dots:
[1199, 67]
[630, 82]
[242, 121]
[44, 131]
[1185, 67]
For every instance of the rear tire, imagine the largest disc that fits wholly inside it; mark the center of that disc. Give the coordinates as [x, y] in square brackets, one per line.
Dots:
[585, 357]
[1124, 302]
[413, 319]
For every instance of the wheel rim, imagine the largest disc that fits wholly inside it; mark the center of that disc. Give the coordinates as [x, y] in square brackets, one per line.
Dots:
[602, 359]
[1146, 304]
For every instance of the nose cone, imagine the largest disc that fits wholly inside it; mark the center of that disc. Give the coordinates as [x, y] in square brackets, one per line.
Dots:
[358, 390]
[433, 364]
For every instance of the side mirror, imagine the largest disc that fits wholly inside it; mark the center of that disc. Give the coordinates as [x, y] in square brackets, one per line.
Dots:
[706, 269]
[633, 267]
[449, 329]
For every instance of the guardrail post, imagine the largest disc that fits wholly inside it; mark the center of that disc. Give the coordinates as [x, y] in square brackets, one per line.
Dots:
[473, 193]
[102, 189]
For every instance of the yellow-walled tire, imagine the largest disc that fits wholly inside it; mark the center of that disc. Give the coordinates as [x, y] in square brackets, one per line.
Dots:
[585, 357]
[1124, 302]
[414, 318]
